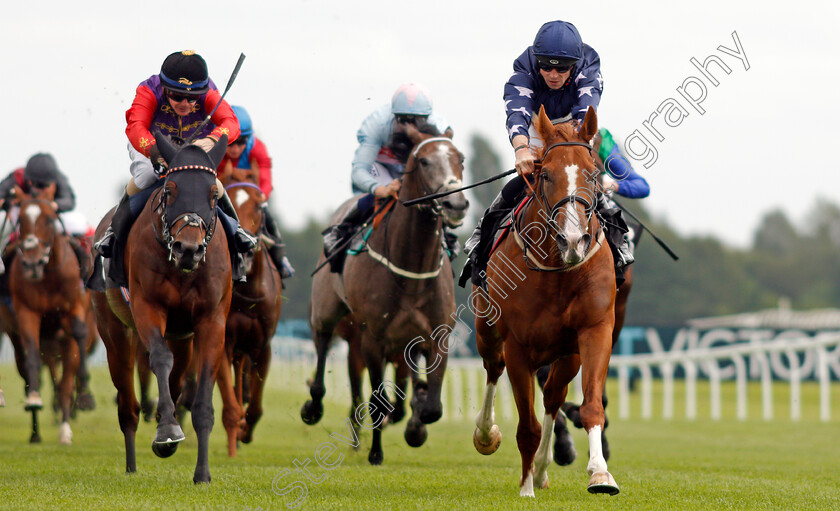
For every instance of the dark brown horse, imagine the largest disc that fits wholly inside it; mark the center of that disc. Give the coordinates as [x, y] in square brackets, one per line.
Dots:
[561, 310]
[399, 290]
[179, 286]
[254, 310]
[45, 286]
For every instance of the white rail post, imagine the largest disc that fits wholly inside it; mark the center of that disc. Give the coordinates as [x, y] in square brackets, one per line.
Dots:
[795, 386]
[714, 389]
[624, 391]
[647, 391]
[667, 369]
[690, 389]
[766, 386]
[825, 384]
[740, 386]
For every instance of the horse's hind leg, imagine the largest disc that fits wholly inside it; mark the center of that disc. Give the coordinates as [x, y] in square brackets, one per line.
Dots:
[144, 374]
[120, 349]
[355, 372]
[258, 375]
[69, 370]
[209, 341]
[375, 362]
[528, 432]
[487, 436]
[231, 411]
[313, 409]
[554, 393]
[79, 329]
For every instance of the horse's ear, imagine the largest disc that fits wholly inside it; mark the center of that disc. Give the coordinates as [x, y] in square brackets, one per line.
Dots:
[543, 124]
[412, 133]
[589, 128]
[218, 152]
[48, 193]
[165, 146]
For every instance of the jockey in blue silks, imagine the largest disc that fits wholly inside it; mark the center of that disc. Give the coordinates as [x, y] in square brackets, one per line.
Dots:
[376, 167]
[562, 74]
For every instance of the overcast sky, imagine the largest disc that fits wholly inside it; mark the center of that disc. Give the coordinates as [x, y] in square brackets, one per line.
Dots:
[315, 69]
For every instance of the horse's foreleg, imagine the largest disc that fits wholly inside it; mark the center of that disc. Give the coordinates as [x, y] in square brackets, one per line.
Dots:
[487, 436]
[120, 347]
[313, 409]
[209, 341]
[554, 393]
[595, 345]
[430, 406]
[151, 323]
[69, 371]
[355, 371]
[401, 372]
[528, 432]
[144, 373]
[29, 326]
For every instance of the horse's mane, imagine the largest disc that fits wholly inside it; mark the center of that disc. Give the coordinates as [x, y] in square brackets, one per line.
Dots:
[401, 145]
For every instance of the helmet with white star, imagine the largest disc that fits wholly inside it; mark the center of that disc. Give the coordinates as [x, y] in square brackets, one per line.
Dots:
[558, 44]
[411, 99]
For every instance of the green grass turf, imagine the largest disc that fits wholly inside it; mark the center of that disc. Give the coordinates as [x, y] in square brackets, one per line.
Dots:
[672, 465]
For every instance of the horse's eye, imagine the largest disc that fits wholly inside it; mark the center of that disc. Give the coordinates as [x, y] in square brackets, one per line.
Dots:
[423, 161]
[546, 178]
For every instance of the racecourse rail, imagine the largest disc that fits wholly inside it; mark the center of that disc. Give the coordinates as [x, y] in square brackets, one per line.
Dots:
[294, 363]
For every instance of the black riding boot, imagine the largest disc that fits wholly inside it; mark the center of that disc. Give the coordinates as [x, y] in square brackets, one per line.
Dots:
[453, 247]
[616, 229]
[242, 241]
[82, 255]
[277, 251]
[478, 246]
[336, 235]
[118, 230]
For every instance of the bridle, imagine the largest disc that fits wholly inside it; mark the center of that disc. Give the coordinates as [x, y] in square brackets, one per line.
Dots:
[434, 206]
[166, 237]
[248, 184]
[45, 259]
[549, 213]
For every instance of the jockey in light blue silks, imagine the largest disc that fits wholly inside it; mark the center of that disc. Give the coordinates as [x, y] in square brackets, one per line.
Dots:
[380, 159]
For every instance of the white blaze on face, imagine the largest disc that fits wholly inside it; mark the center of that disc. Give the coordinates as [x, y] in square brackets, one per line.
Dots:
[571, 227]
[32, 211]
[241, 197]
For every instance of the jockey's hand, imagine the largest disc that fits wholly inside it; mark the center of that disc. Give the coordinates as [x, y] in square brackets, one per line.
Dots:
[524, 161]
[54, 205]
[205, 143]
[389, 190]
[158, 162]
[609, 184]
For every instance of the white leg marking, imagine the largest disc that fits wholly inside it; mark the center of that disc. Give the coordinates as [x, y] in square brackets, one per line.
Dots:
[486, 416]
[527, 489]
[65, 434]
[597, 463]
[543, 457]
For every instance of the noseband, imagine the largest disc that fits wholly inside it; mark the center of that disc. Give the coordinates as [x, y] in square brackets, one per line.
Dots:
[248, 184]
[452, 182]
[51, 223]
[166, 238]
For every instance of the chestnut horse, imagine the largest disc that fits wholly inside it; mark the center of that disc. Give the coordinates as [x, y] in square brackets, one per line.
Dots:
[254, 310]
[179, 287]
[46, 291]
[562, 312]
[399, 290]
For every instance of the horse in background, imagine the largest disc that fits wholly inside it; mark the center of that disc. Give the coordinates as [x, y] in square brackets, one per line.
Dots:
[400, 287]
[46, 292]
[255, 307]
[562, 312]
[179, 286]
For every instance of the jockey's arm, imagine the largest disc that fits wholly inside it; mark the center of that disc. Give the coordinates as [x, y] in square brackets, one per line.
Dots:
[65, 199]
[628, 183]
[6, 187]
[139, 119]
[224, 118]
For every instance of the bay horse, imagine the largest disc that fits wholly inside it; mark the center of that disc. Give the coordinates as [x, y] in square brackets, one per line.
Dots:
[179, 287]
[399, 291]
[562, 313]
[46, 291]
[255, 307]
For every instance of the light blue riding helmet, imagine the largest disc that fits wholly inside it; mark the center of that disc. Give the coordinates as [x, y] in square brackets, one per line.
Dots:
[411, 99]
[245, 128]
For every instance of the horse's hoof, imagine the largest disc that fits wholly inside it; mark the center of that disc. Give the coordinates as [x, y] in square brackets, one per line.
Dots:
[33, 402]
[564, 449]
[35, 438]
[65, 434]
[201, 479]
[415, 433]
[603, 482]
[490, 446]
[311, 412]
[85, 401]
[375, 458]
[164, 450]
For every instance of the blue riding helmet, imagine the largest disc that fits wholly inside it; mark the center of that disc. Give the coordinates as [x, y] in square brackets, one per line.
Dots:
[245, 128]
[558, 43]
[411, 99]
